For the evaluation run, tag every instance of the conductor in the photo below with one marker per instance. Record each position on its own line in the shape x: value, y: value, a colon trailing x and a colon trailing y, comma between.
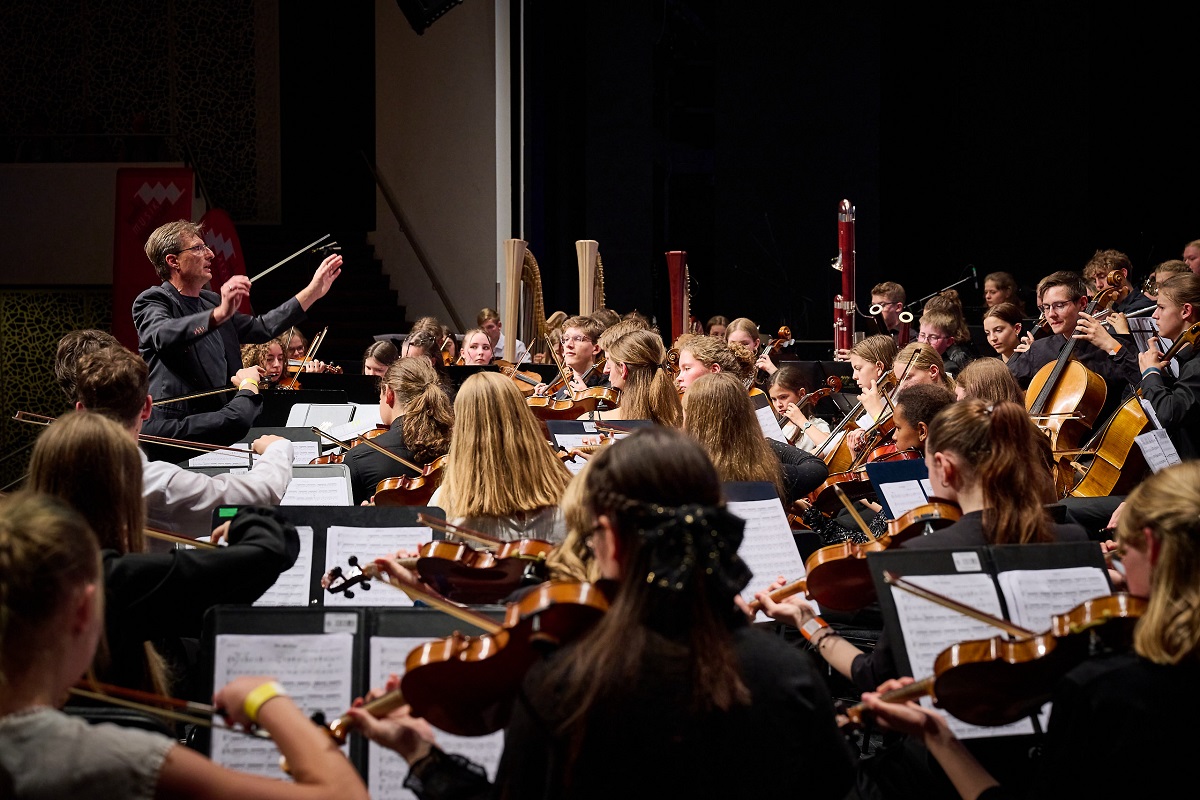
x: 190, y: 336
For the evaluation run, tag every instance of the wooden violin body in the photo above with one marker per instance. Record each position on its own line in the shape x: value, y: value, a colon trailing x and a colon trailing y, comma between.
x: 924, y: 519
x: 577, y: 405
x: 338, y: 458
x: 837, y: 575
x: 411, y: 490
x: 525, y: 380
x: 465, y: 685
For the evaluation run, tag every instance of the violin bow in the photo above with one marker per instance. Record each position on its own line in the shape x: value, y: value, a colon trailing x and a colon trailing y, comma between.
x: 445, y: 526
x: 301, y: 251
x: 461, y: 613
x: 167, y: 536
x: 385, y: 451
x: 562, y: 371
x: 193, y: 396
x: 308, y: 356
x: 893, y: 579
x: 203, y: 447
x: 185, y: 711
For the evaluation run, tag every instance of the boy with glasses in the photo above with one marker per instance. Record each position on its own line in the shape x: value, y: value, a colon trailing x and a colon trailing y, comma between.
x: 580, y: 351
x: 1062, y: 297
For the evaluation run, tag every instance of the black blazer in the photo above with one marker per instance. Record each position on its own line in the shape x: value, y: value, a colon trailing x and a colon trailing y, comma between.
x: 167, y: 333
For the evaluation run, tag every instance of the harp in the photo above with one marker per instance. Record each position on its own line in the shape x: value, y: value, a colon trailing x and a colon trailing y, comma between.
x: 682, y: 320
x: 523, y: 295
x: 591, y: 275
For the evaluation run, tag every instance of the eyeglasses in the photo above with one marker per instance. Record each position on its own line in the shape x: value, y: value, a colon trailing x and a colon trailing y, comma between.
x: 196, y: 247
x: 888, y: 305
x: 932, y: 337
x: 1056, y: 307
x: 580, y: 339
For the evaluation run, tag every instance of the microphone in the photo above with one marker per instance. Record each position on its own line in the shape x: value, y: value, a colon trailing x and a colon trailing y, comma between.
x: 975, y: 275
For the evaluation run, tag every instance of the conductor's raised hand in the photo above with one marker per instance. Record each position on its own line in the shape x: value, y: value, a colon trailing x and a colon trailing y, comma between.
x: 321, y: 282
x: 233, y: 292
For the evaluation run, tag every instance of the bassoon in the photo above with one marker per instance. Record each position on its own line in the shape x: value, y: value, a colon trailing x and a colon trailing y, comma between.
x: 843, y: 304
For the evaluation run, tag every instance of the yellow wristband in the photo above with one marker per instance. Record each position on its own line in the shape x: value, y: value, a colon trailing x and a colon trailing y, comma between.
x: 244, y: 384
x: 259, y: 696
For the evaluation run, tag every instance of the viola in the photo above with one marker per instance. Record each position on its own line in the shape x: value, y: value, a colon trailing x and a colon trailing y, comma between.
x: 837, y: 574
x: 998, y: 681
x: 578, y: 404
x: 924, y: 519
x: 338, y: 458
x: 783, y: 338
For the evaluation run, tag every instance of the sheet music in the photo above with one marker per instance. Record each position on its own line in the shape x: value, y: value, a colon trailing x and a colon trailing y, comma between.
x: 768, y: 546
x: 302, y: 453
x: 1035, y: 595
x: 291, y: 587
x: 223, y: 458
x: 386, y: 770
x: 769, y: 423
x: 315, y: 669
x: 903, y: 496
x: 366, y: 544
x: 1158, y: 449
x: 322, y: 415
x: 317, y: 492
x: 928, y: 629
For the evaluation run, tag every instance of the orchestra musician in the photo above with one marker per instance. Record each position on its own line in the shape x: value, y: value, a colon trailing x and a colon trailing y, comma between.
x: 52, y: 618
x: 988, y: 379
x: 1175, y: 399
x: 488, y: 321
x: 1001, y: 287
x: 501, y: 477
x: 636, y: 365
x: 296, y: 348
x: 580, y: 349
x: 114, y: 382
x: 378, y: 356
x: 672, y: 670
x: 1063, y: 298
x: 89, y: 462
x: 699, y: 354
x: 716, y: 326
x: 419, y: 416
x: 1002, y: 325
x: 223, y: 427
x: 1096, y: 271
x: 476, y: 348
x: 787, y: 392
x: 268, y: 357
x: 1109, y: 702
x: 191, y: 337
x: 943, y: 328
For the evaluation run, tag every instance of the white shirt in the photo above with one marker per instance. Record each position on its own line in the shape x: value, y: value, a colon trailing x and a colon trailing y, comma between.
x: 182, y: 501
x: 805, y: 443
x: 522, y: 354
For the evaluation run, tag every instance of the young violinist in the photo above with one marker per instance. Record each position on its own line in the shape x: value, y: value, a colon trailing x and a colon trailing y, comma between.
x: 1002, y: 325
x: 1123, y: 703
x: 699, y: 354
x: 1001, y: 287
x: 52, y: 617
x: 787, y: 393
x: 295, y: 347
x: 944, y: 329
x: 114, y: 382
x: 501, y: 477
x: 745, y: 332
x: 1176, y: 400
x: 636, y: 365
x: 917, y: 363
x: 422, y: 343
x: 378, y: 357
x: 476, y: 348
x: 719, y: 414
x: 716, y: 326
x: 580, y: 350
x: 979, y: 456
x: 415, y: 407
x: 90, y: 463
x: 672, y: 671
x: 268, y: 357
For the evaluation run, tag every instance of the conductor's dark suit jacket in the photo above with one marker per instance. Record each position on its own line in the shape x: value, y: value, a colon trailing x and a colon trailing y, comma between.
x: 168, y: 333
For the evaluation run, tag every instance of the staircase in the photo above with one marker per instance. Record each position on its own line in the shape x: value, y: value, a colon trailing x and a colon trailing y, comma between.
x: 358, y: 307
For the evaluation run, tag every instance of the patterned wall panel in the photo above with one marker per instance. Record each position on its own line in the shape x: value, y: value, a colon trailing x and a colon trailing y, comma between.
x: 31, y: 323
x: 87, y: 74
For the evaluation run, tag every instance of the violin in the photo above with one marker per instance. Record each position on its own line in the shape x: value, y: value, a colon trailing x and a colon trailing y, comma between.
x: 338, y: 458
x: 783, y: 338
x: 447, y: 358
x: 833, y: 385
x: 837, y: 574
x: 410, y: 490
x: 465, y: 685
x: 565, y: 377
x: 578, y: 404
x: 526, y: 381
x: 998, y: 681
x: 924, y: 519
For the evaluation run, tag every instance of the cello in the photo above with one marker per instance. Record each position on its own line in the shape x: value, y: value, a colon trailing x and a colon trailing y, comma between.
x: 1065, y: 397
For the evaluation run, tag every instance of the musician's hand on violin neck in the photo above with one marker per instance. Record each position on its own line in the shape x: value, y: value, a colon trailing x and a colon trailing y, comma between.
x: 541, y: 390
x: 908, y: 717
x: 411, y: 737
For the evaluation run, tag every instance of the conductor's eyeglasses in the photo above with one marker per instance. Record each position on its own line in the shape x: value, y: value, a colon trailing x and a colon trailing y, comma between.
x: 197, y: 247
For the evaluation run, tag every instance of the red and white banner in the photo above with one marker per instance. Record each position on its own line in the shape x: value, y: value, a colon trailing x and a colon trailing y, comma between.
x: 146, y: 198
x: 221, y: 235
